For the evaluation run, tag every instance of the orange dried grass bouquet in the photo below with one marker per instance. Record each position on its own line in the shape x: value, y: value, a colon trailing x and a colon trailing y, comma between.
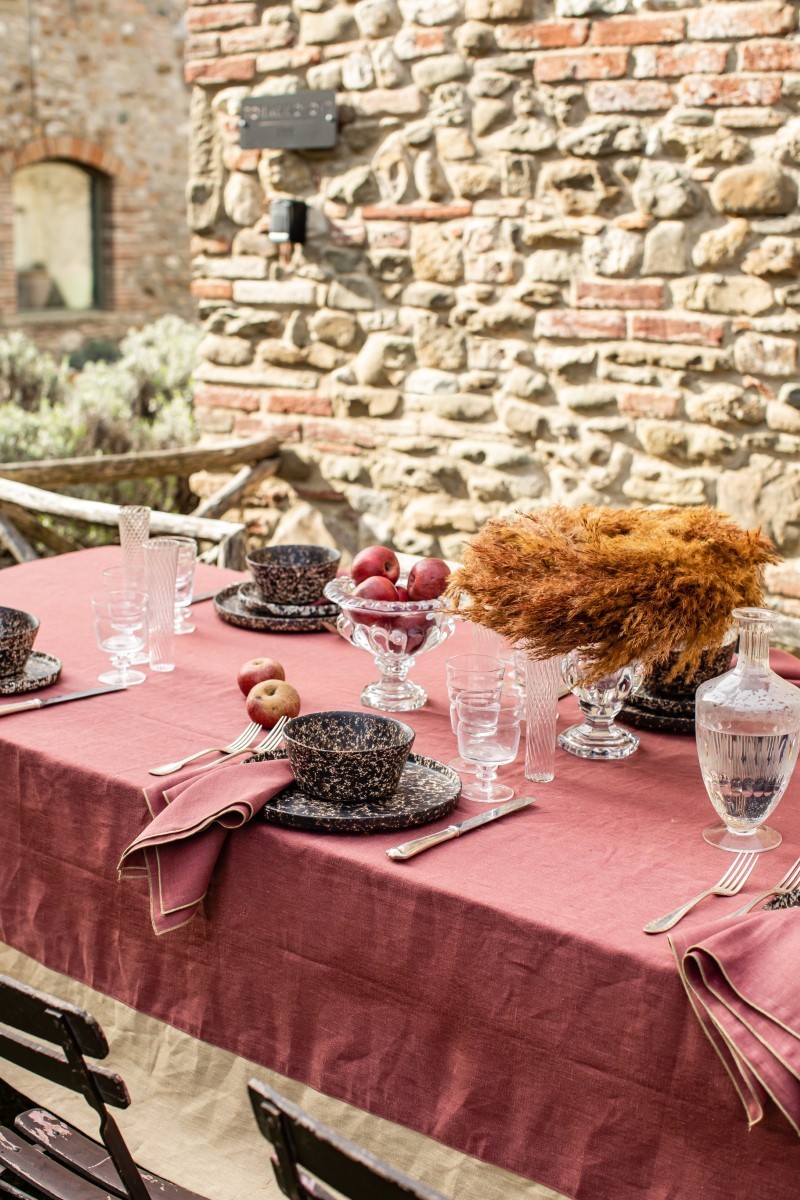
x: 618, y: 584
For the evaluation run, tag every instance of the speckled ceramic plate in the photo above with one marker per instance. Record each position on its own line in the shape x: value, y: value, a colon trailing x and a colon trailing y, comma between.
x: 230, y: 608
x: 663, y: 705
x: 40, y: 671
x: 252, y: 600
x: 640, y: 718
x: 428, y: 790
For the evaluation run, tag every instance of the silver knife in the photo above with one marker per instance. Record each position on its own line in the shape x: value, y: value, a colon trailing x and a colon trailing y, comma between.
x: 204, y: 596
x: 22, y: 705
x: 409, y: 849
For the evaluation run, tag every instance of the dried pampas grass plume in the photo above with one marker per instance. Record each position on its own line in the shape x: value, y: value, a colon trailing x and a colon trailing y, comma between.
x: 619, y: 584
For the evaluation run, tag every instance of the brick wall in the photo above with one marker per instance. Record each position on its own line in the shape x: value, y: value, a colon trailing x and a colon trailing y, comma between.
x: 102, y: 88
x: 553, y: 257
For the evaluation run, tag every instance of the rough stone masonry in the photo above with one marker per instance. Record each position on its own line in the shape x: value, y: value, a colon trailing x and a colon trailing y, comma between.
x: 553, y: 257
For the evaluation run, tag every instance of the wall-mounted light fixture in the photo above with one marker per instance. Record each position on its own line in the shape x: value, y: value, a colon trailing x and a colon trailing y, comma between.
x: 287, y: 221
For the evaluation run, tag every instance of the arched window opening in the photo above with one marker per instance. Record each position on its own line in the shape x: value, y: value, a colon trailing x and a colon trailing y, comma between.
x: 56, y: 236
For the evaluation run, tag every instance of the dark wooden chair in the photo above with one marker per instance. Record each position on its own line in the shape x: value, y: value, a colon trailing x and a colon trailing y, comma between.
x: 309, y: 1155
x: 43, y: 1156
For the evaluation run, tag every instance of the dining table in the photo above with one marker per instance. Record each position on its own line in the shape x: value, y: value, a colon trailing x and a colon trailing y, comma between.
x: 496, y: 994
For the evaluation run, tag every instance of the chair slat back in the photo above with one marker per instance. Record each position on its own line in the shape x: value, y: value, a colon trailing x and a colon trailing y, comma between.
x: 302, y: 1142
x: 35, y: 1012
x: 53, y: 1065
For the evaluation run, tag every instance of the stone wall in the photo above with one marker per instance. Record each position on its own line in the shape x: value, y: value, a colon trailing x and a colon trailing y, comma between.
x: 101, y: 85
x: 553, y: 257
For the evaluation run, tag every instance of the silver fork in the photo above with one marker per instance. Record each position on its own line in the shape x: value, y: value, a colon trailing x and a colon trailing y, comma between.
x: 270, y: 742
x: 789, y: 882
x: 731, y: 882
x: 239, y: 743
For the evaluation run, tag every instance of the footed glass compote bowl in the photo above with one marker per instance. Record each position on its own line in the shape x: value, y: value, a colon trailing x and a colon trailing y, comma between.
x: 597, y: 736
x: 395, y: 632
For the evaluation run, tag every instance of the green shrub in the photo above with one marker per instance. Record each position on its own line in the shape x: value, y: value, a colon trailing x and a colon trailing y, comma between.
x: 28, y: 378
x: 140, y: 402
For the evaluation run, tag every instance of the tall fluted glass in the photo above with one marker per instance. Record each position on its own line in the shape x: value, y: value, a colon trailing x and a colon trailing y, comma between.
x: 161, y: 570
x: 542, y: 679
x: 134, y: 530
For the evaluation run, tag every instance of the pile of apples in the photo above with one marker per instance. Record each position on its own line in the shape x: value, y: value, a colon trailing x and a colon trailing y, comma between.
x: 269, y: 696
x: 375, y: 571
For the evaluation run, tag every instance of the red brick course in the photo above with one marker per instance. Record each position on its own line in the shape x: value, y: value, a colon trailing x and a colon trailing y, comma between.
x: 649, y: 402
x: 567, y: 323
x: 212, y: 289
x: 665, y: 62
x: 542, y: 35
x: 691, y: 331
x: 627, y: 95
x: 221, y: 16
x: 310, y: 403
x: 622, y: 293
x: 221, y: 70
x: 716, y: 91
x: 581, y: 64
x: 770, y: 56
x: 208, y: 395
x: 637, y: 31
x: 416, y: 212
x: 740, y: 21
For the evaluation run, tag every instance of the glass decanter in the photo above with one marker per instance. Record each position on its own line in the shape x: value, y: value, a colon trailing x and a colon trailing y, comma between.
x: 748, y: 736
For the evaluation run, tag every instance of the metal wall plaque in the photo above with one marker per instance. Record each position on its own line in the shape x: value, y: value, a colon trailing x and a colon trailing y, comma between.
x: 303, y: 121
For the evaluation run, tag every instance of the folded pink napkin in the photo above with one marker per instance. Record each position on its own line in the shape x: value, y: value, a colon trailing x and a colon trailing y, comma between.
x: 741, y: 979
x: 178, y: 850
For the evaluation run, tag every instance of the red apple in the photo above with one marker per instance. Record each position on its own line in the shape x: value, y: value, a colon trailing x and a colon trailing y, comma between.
x: 402, y: 593
x: 377, y: 587
x: 414, y: 626
x: 267, y: 702
x: 428, y: 579
x: 375, y: 560
x: 258, y: 670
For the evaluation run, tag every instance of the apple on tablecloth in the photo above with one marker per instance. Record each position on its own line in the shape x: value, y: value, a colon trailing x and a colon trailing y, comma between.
x: 271, y: 700
x: 258, y: 670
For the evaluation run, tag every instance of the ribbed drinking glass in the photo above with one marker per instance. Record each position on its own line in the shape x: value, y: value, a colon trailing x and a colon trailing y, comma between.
x: 542, y: 678
x: 184, y: 585
x: 161, y: 571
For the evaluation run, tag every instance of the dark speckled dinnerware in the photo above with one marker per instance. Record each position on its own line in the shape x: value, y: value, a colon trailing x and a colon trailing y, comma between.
x: 18, y: 631
x: 347, y: 757
x: 292, y: 574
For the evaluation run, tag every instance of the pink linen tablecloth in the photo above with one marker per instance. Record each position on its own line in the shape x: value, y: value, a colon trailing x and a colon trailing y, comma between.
x: 496, y: 993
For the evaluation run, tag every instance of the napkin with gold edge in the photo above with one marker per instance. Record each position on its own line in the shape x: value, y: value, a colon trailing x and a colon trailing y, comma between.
x: 741, y: 979
x: 178, y: 850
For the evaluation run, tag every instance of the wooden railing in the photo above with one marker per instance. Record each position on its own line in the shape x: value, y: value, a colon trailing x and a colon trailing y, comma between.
x: 24, y: 498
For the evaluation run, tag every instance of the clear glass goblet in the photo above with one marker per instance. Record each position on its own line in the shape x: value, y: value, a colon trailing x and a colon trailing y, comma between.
x: 488, y: 736
x: 128, y: 578
x: 120, y: 626
x: 597, y: 736
x: 478, y: 675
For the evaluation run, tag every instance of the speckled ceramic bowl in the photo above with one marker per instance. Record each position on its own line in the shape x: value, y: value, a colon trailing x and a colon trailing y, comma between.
x: 347, y: 757
x: 18, y: 631
x: 292, y: 574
